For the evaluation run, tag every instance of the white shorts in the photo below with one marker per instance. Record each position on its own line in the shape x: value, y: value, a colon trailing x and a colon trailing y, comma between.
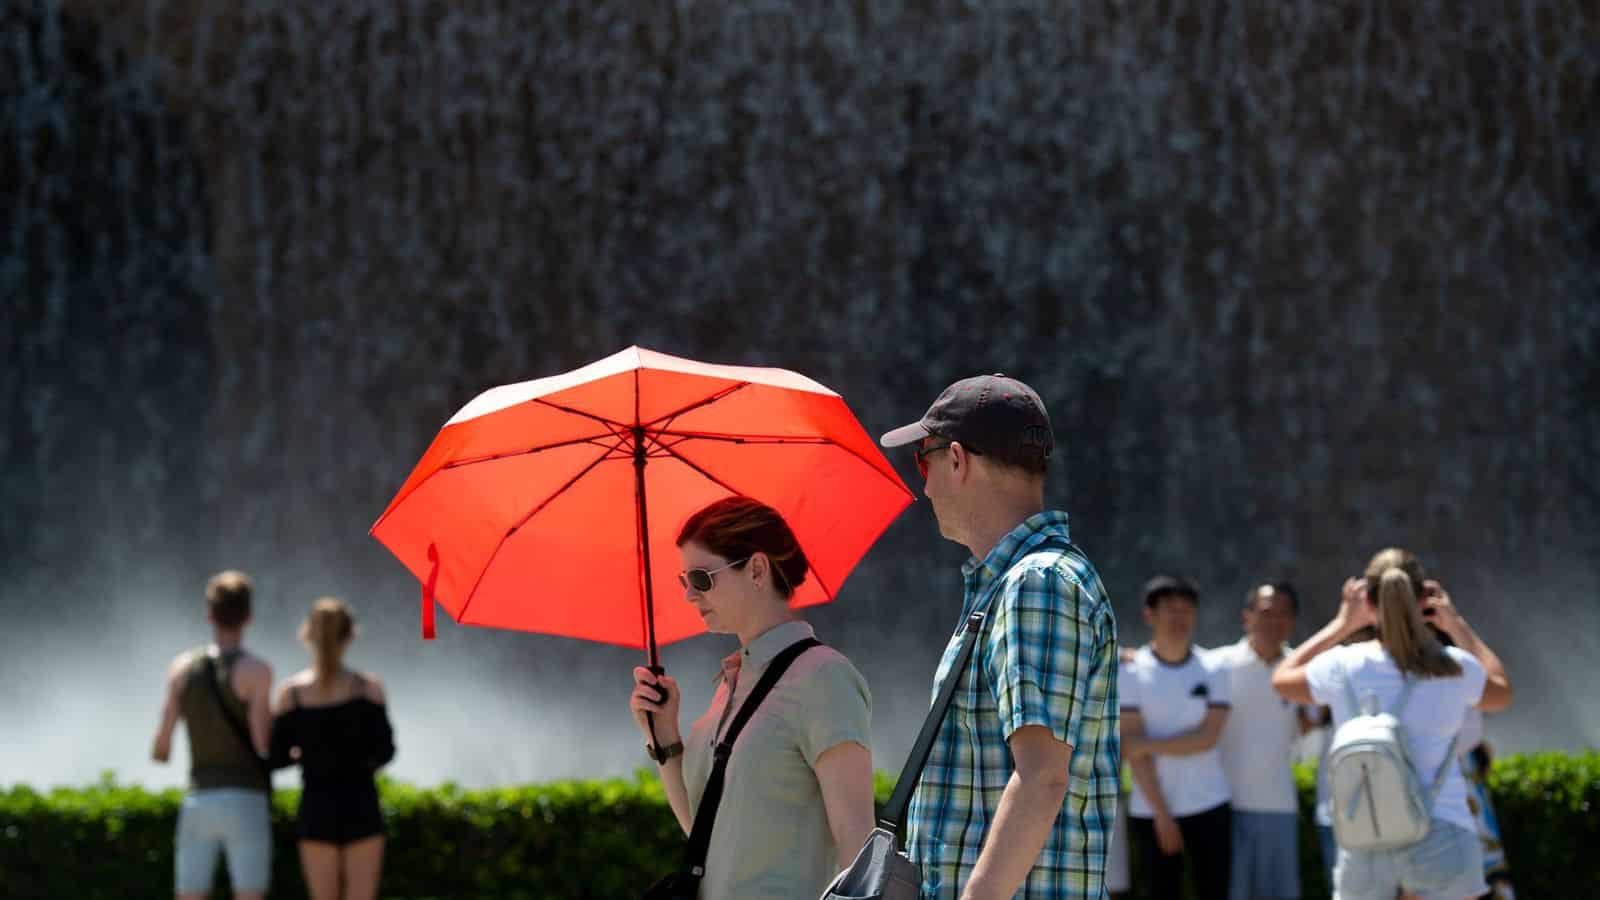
x: 1445, y: 865
x: 237, y: 822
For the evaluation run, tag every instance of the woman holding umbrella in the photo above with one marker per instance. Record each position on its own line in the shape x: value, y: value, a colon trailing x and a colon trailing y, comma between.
x: 797, y: 798
x: 515, y: 518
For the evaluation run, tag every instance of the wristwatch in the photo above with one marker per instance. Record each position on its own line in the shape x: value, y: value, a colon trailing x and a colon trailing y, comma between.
x: 662, y: 754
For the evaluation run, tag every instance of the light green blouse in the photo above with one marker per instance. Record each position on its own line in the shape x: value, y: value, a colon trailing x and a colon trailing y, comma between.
x: 772, y: 838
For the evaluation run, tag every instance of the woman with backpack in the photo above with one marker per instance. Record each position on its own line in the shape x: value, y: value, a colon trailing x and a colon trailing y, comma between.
x: 1399, y: 804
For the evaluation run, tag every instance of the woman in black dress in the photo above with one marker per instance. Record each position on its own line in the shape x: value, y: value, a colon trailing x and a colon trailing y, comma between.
x: 333, y: 723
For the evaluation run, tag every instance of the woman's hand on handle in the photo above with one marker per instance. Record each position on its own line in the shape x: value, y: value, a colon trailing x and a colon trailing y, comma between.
x: 643, y: 700
x: 647, y: 688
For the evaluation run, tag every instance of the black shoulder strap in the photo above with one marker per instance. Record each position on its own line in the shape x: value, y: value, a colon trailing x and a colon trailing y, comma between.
x: 894, y: 812
x: 705, y: 815
x: 213, y: 679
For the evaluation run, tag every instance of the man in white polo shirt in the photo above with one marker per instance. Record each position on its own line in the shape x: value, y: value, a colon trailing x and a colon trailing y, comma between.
x: 1174, y: 707
x: 1257, y: 750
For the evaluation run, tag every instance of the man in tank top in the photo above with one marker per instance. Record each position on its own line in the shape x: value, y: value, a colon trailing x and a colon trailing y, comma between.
x: 222, y: 694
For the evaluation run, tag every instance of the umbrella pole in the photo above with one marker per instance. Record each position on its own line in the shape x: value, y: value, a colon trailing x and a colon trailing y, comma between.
x: 641, y: 511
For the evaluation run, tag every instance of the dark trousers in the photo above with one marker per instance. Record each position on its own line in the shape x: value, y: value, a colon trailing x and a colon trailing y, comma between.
x: 1207, y: 845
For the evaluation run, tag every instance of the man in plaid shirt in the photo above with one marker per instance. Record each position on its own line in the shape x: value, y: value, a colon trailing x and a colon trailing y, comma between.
x: 1020, y: 791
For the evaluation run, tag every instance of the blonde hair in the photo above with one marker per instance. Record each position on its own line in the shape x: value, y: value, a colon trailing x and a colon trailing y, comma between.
x: 327, y: 630
x: 1395, y: 578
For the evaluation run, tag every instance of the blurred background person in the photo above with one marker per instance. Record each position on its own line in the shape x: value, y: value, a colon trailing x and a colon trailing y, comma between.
x: 1439, y: 684
x: 1119, y: 876
x: 1257, y: 749
x: 221, y: 692
x: 1476, y: 759
x: 1174, y: 707
x: 334, y: 723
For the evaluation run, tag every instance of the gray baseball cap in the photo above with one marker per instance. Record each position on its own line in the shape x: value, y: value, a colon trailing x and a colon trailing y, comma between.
x: 987, y: 413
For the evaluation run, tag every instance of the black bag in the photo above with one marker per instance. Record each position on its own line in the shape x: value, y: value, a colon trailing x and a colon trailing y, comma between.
x: 881, y: 870
x: 684, y: 884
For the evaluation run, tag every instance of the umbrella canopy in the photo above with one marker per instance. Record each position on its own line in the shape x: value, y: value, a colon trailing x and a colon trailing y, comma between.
x: 553, y: 505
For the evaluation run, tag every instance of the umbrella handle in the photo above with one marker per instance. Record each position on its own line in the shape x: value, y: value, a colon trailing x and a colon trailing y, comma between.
x: 661, y: 694
x: 661, y: 697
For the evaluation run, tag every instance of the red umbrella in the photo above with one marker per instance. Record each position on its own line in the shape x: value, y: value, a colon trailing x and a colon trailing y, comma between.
x: 540, y: 505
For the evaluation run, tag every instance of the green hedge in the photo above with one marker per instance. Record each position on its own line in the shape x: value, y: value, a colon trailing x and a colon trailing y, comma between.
x: 590, y: 840
x: 607, y: 839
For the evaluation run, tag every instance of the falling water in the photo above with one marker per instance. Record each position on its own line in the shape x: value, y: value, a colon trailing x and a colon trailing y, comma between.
x: 1298, y: 280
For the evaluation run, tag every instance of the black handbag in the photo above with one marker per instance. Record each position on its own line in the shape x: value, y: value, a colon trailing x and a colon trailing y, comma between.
x: 881, y: 870
x: 684, y: 883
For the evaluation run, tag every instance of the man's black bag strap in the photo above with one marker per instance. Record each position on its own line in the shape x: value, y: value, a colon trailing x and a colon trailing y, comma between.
x: 239, y: 728
x: 894, y: 813
x: 705, y: 815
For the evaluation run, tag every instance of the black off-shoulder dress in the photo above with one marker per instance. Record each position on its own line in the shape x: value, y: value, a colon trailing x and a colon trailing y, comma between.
x: 341, y: 746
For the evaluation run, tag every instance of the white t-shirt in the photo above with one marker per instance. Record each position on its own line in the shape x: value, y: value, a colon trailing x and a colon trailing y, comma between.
x: 1431, y: 718
x: 1258, y: 742
x: 1324, y: 812
x: 1173, y: 699
x: 1471, y: 732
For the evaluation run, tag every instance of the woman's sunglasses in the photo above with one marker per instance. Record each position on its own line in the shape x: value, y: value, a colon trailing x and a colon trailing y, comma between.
x: 701, y: 580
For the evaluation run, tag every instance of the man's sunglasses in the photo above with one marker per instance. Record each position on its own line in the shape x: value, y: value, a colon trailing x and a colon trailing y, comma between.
x: 701, y: 580
x: 921, y: 455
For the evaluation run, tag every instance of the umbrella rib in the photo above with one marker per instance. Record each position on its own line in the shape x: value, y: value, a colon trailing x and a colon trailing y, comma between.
x: 588, y: 439
x: 656, y: 448
x: 395, y: 504
x: 668, y: 417
x: 826, y: 591
x: 578, y: 412
x: 732, y: 490
x: 472, y: 595
x: 771, y: 440
x: 614, y: 451
x: 742, y: 438
x: 707, y: 475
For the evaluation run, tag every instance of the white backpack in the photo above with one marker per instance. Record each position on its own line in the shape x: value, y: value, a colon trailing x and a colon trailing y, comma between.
x: 1375, y: 796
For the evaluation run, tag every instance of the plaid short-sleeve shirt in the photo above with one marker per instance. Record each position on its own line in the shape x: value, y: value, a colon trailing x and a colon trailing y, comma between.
x: 1048, y: 656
